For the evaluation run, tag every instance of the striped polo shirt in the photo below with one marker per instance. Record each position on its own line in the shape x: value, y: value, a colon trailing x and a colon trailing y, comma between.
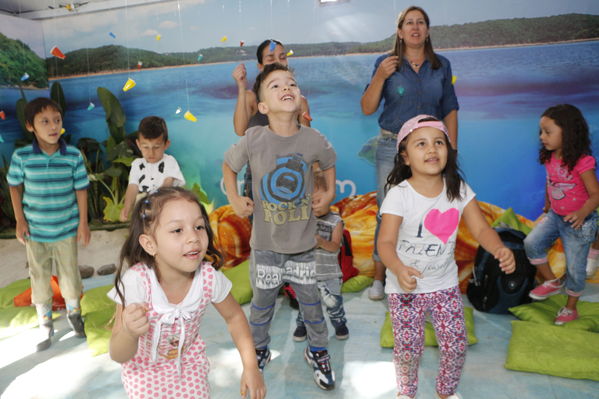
x: 49, y: 184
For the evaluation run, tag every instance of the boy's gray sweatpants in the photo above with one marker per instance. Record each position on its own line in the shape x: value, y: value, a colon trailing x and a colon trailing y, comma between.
x: 268, y: 271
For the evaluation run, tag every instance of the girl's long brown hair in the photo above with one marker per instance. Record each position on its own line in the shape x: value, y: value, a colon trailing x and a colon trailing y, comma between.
x: 451, y: 172
x: 398, y: 47
x: 575, y: 134
x: 143, y: 221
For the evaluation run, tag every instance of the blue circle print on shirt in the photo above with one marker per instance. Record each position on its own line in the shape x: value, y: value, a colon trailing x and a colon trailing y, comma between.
x: 286, y: 182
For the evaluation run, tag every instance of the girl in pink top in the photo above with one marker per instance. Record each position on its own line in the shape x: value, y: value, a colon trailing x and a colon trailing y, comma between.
x: 162, y: 297
x: 572, y: 195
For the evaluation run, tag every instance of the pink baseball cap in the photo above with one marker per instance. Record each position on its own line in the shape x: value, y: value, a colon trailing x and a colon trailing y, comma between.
x: 415, y: 123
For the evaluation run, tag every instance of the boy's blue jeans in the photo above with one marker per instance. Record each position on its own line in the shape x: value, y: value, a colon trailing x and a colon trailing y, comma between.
x: 330, y: 293
x: 576, y: 243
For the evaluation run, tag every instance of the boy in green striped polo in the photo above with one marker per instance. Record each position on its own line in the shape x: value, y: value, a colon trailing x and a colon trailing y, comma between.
x: 48, y: 189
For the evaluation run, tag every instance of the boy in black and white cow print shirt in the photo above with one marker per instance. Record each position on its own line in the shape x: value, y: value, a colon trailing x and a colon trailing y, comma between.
x: 156, y: 169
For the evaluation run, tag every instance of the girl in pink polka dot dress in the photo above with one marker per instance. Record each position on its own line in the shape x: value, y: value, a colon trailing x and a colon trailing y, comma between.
x: 162, y: 297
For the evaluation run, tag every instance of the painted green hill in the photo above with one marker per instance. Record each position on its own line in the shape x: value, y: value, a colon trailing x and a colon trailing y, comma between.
x: 516, y: 31
x: 16, y: 59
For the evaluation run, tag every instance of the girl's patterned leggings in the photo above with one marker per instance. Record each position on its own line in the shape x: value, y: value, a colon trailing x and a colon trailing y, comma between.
x: 408, y: 315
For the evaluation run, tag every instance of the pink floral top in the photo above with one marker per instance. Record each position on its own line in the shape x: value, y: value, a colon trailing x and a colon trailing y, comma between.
x: 566, y: 190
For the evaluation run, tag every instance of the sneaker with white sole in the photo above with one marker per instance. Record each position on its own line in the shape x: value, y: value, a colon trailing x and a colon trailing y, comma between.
x: 300, y: 334
x: 324, y: 376
x: 565, y: 315
x: 263, y: 358
x: 545, y: 290
x: 342, y: 332
x: 376, y: 292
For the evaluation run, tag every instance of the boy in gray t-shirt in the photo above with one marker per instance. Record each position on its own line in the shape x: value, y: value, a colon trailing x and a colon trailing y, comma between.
x: 281, y: 156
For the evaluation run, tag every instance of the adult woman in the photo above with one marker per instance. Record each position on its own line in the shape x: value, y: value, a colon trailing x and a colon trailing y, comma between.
x: 412, y: 79
x: 246, y: 109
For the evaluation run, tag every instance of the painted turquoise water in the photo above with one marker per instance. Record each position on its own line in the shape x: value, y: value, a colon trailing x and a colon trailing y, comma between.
x: 502, y: 93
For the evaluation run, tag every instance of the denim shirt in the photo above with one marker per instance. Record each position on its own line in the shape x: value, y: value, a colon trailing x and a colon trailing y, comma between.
x: 407, y: 93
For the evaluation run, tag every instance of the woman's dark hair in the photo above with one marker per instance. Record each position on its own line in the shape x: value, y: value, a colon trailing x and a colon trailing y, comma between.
x: 268, y: 69
x: 451, y: 172
x: 398, y: 47
x: 575, y: 134
x: 143, y: 221
x: 261, y: 47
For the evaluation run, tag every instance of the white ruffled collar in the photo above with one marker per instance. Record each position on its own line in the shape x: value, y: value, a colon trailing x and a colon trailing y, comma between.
x: 169, y: 313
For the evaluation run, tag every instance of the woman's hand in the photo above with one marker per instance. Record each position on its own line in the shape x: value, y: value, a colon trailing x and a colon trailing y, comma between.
x: 240, y: 76
x: 387, y: 67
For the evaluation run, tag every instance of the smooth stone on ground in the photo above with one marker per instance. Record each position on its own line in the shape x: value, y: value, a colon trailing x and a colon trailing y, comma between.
x: 106, y: 269
x: 104, y: 248
x: 86, y: 271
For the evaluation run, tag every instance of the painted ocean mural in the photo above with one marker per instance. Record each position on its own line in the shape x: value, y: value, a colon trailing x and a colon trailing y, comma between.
x: 502, y: 92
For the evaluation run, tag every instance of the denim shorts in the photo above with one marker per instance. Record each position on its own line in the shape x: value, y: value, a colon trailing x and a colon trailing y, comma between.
x: 576, y: 243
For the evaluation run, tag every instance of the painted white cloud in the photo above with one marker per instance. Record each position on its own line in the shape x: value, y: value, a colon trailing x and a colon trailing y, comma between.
x: 168, y: 24
x: 150, y: 32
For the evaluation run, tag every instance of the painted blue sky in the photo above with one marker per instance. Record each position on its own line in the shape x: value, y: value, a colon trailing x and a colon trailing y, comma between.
x: 29, y: 32
x: 189, y: 25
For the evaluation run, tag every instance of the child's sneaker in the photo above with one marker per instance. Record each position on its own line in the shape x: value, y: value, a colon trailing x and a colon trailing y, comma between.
x: 592, y: 265
x: 376, y: 292
x: 565, y: 315
x: 300, y: 333
x: 545, y: 290
x: 76, y: 323
x: 320, y: 361
x: 46, y: 331
x: 342, y: 332
x: 263, y: 357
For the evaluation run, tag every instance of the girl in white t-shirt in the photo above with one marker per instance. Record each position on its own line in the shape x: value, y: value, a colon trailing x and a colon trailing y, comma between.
x: 162, y: 296
x: 420, y: 216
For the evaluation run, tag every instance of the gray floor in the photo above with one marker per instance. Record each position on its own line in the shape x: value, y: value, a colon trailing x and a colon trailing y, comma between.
x: 364, y: 369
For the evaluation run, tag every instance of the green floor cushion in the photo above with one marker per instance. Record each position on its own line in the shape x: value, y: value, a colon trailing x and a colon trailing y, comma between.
x: 357, y: 284
x: 13, y: 289
x: 429, y: 332
x: 240, y: 277
x: 544, y: 312
x: 553, y: 350
x: 98, y: 311
x: 13, y: 320
x: 511, y: 220
x: 98, y: 329
x: 96, y: 299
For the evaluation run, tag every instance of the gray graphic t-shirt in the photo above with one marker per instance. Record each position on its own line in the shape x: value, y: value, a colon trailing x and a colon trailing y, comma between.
x: 282, y: 185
